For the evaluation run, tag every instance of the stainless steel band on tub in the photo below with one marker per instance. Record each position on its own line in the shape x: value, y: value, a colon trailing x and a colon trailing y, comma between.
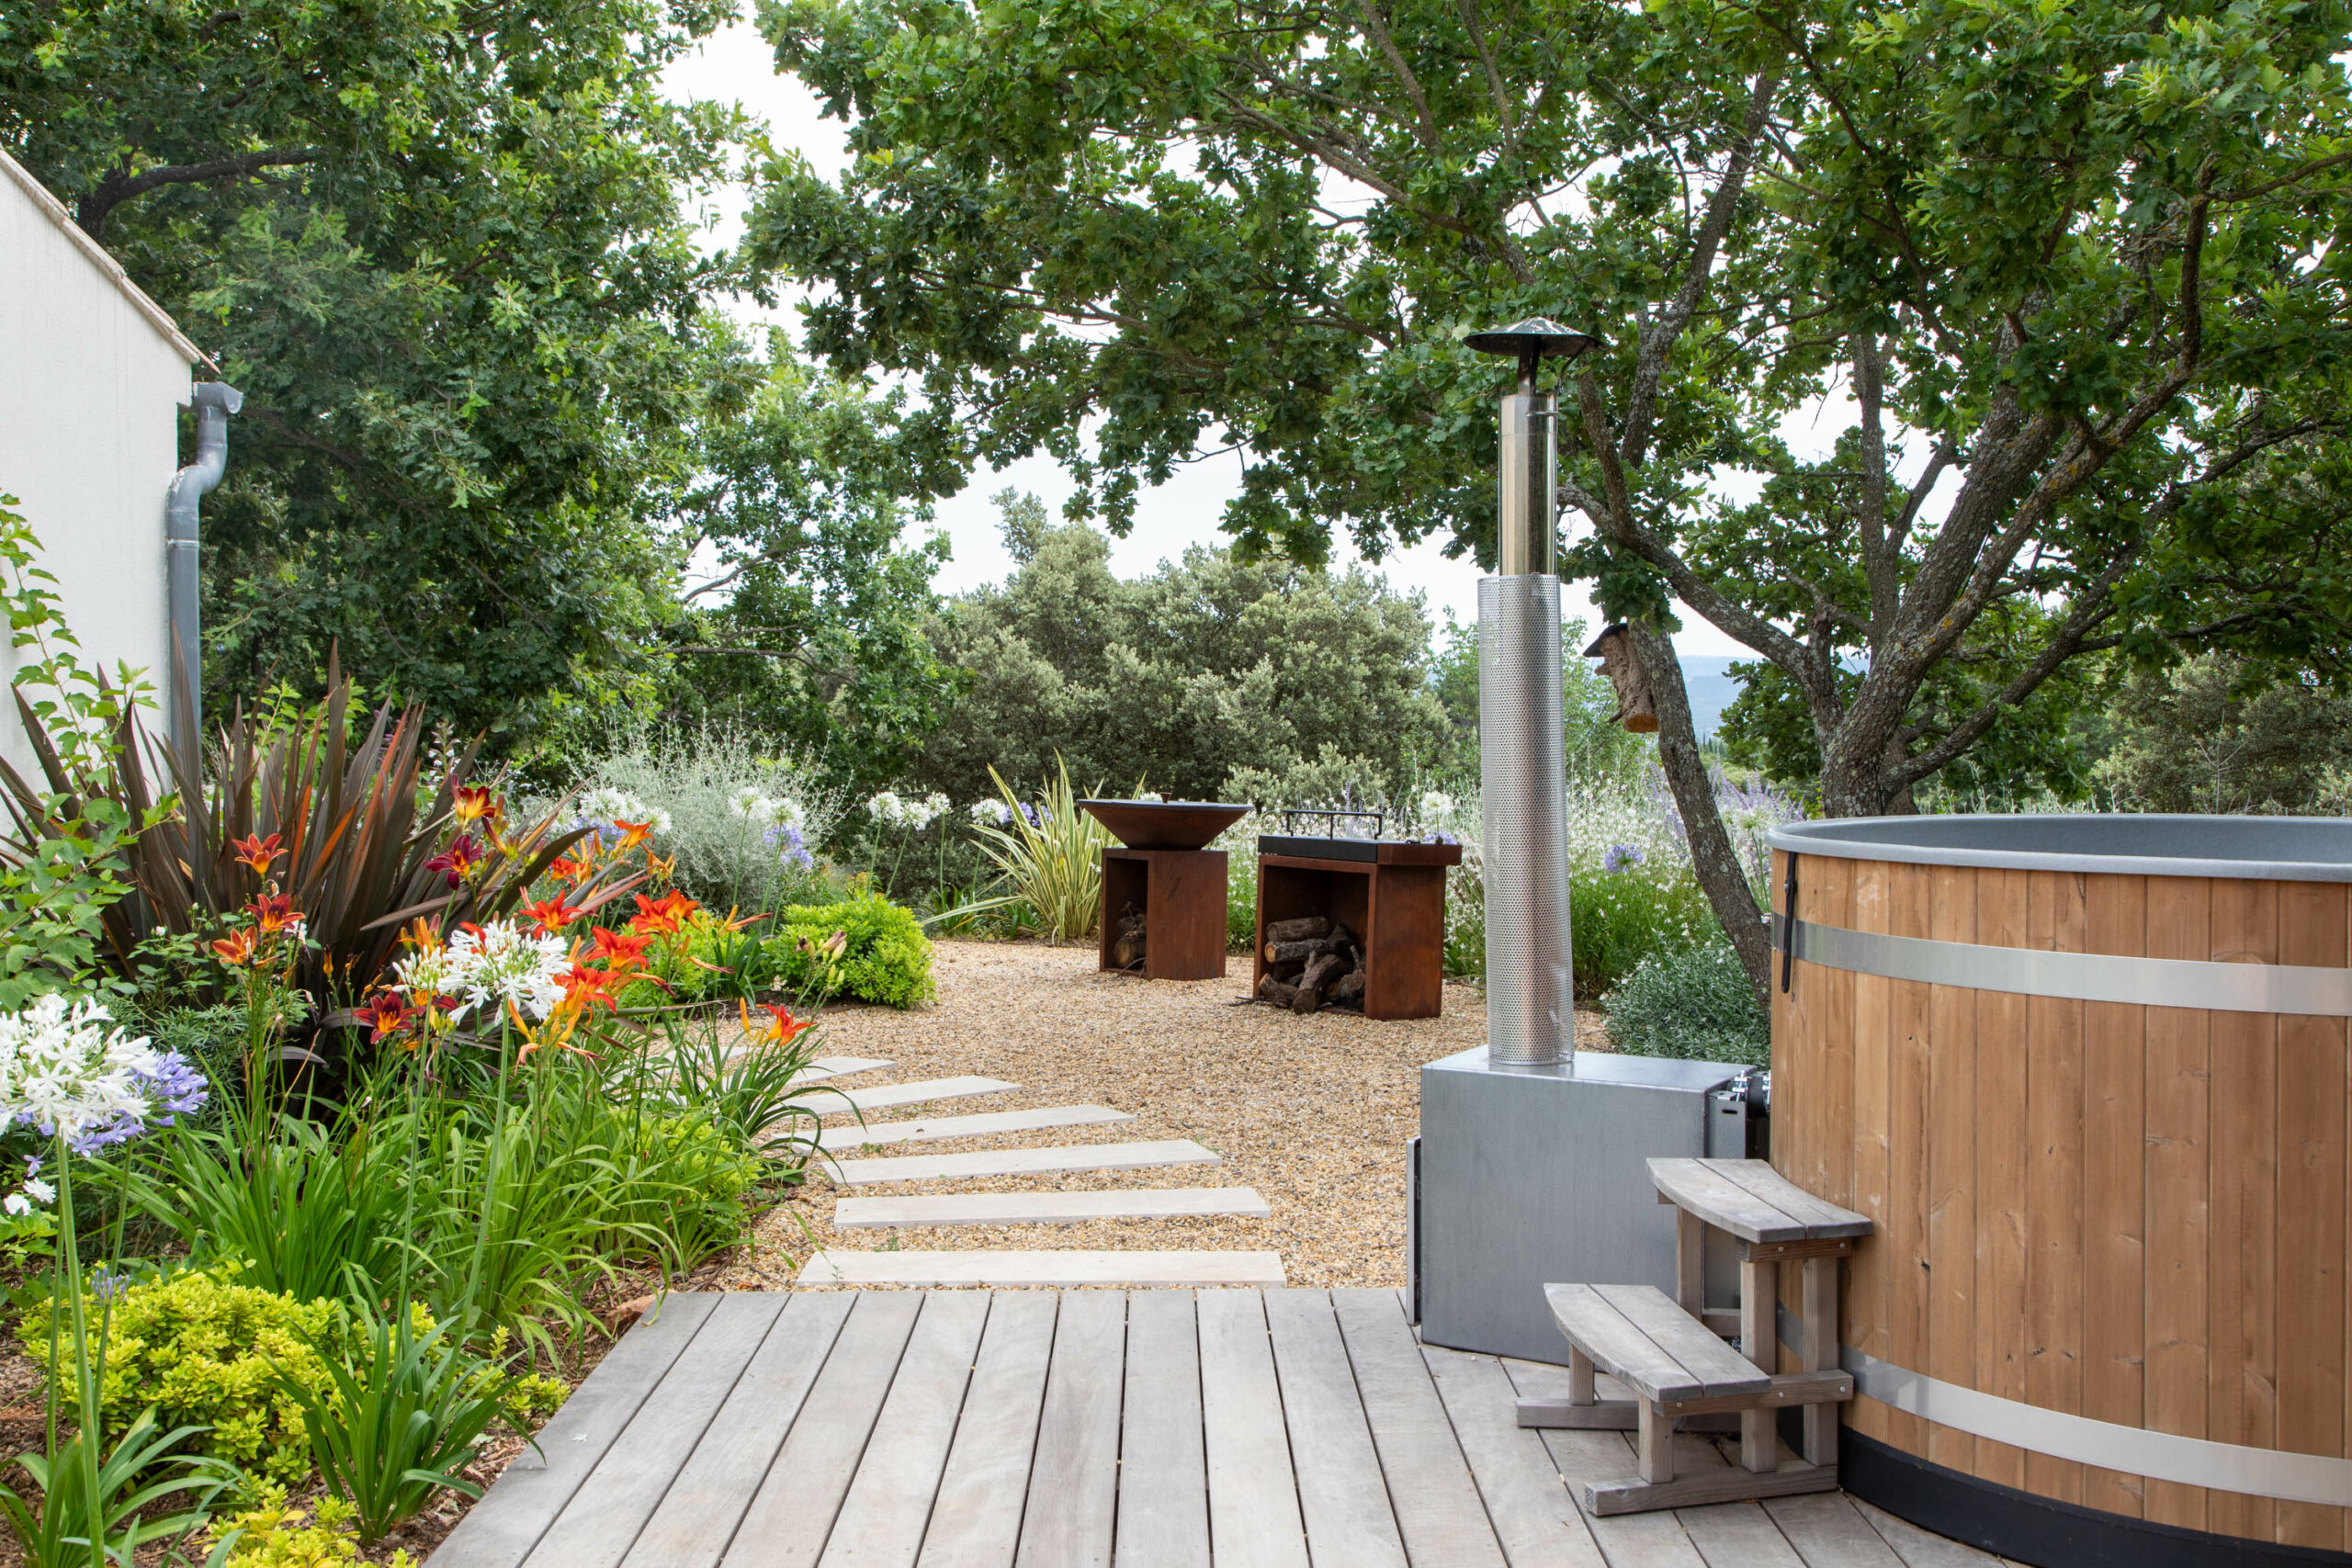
x: 2073, y: 976
x: 2135, y: 1450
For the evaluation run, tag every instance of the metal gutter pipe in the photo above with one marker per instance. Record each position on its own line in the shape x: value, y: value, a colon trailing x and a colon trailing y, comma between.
x: 215, y: 401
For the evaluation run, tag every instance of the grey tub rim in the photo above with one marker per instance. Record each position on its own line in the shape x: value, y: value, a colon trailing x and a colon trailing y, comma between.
x: 2267, y: 849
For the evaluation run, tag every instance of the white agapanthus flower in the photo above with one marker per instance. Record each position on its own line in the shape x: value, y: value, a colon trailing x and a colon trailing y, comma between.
x: 604, y: 806
x: 766, y: 810
x: 990, y: 813
x: 68, y: 1070
x: 1153, y: 795
x: 41, y: 1191
x: 749, y: 804
x: 500, y: 963
x: 886, y: 809
x: 1436, y: 805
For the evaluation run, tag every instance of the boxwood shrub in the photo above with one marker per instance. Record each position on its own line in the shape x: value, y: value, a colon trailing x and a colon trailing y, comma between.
x: 887, y: 959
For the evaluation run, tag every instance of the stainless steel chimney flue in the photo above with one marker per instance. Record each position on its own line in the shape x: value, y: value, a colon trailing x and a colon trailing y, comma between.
x: 1530, y: 999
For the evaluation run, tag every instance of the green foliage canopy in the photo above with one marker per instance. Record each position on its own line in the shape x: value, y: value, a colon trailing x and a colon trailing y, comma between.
x: 445, y: 251
x: 1178, y: 678
x: 2074, y: 264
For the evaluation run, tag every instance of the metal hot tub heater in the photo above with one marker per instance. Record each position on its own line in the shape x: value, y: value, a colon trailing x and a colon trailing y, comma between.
x: 1530, y: 1165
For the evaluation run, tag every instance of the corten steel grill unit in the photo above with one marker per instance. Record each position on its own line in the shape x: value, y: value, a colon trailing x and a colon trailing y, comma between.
x: 1389, y: 892
x: 1179, y: 887
x: 2088, y: 1077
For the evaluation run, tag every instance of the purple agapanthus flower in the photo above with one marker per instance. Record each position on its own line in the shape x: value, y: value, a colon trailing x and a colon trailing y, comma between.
x: 795, y: 851
x: 107, y: 1283
x: 1621, y: 857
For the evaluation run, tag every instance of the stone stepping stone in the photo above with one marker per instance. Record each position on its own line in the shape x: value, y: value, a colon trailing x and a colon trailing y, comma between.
x: 1047, y: 1208
x: 1019, y: 1162
x: 1140, y: 1270
x: 835, y: 1067
x: 877, y: 1097
x: 931, y: 1128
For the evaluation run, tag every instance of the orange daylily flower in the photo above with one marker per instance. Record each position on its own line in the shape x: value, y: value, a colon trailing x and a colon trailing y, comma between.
x: 551, y: 915
x: 472, y: 802
x: 553, y: 1033
x: 781, y: 1029
x: 619, y: 952
x: 661, y: 915
x: 660, y: 868
x: 258, y: 852
x: 235, y: 950
x: 563, y: 868
x: 632, y: 834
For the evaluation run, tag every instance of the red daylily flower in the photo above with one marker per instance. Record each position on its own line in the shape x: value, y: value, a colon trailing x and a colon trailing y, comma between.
x: 455, y: 861
x: 387, y: 1015
x: 274, y: 913
x: 617, y: 950
x: 472, y: 802
x: 563, y: 868
x: 236, y: 948
x: 258, y: 852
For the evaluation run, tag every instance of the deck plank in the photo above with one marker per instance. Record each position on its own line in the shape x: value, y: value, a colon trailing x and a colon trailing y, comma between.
x: 1342, y: 1495
x: 1829, y: 1533
x: 1439, y: 1513
x: 1074, y: 1479
x: 976, y: 1518
x: 979, y: 1125
x: 598, y: 1525
x: 1918, y: 1548
x: 793, y: 1511
x: 1627, y: 1541
x: 1163, y: 1465
x: 1070, y: 1266
x: 1253, y: 1494
x: 1021, y: 1162
x: 500, y: 1531
x: 882, y: 1519
x: 697, y: 1516
x: 1528, y: 1503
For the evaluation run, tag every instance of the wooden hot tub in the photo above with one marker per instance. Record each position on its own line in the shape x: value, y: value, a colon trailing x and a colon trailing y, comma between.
x: 2088, y: 1074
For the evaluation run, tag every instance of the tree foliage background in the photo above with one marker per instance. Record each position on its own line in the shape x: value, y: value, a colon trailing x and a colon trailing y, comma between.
x: 2066, y: 273
x: 449, y: 253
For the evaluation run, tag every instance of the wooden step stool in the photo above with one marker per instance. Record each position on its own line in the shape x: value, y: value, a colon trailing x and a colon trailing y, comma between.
x: 1669, y: 1353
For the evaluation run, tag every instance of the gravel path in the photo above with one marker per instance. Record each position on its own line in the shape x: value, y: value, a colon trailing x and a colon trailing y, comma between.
x: 1312, y: 1111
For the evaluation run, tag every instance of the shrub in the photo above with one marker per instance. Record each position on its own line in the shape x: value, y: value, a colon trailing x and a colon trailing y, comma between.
x: 740, y: 824
x: 1616, y: 918
x: 207, y: 1351
x: 275, y: 1534
x: 1051, y: 855
x: 887, y: 959
x: 1693, y: 1002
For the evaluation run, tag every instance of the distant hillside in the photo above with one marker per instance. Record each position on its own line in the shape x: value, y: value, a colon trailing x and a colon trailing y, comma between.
x: 1713, y: 687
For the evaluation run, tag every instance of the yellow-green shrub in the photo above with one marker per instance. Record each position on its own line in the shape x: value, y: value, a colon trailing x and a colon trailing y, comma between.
x: 275, y: 1534
x: 206, y: 1351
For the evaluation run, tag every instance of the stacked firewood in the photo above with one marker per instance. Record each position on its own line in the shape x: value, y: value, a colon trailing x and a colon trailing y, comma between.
x: 1126, y: 943
x: 1312, y: 962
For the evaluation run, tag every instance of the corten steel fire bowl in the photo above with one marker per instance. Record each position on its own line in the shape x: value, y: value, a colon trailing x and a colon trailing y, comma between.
x: 1165, y: 824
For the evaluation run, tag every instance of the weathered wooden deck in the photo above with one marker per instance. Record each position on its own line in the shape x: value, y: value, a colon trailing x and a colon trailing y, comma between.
x: 1131, y: 1429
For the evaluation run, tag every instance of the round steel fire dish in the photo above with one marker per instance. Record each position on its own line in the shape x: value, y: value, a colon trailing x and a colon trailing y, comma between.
x: 1165, y: 824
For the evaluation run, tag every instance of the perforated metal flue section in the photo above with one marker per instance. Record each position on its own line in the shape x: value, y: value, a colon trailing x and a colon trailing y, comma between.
x: 1531, y: 1000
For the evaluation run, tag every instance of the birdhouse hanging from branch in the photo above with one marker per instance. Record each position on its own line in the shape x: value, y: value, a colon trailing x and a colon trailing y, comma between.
x: 1615, y: 648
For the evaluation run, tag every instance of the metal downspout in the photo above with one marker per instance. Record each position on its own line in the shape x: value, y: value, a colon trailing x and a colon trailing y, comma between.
x: 215, y: 401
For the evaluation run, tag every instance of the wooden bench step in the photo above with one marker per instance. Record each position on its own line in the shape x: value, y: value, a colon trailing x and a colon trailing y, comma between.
x: 1636, y: 1333
x: 1752, y: 1200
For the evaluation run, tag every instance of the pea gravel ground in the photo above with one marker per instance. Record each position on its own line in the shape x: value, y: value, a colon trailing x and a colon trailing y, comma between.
x: 1313, y: 1111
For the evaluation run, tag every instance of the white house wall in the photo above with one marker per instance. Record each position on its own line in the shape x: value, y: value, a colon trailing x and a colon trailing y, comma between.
x: 90, y: 389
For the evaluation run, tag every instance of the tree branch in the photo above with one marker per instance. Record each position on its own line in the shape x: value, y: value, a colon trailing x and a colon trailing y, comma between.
x: 90, y: 213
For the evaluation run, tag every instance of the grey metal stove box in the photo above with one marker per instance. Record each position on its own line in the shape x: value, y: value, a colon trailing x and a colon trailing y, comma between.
x: 1524, y: 1175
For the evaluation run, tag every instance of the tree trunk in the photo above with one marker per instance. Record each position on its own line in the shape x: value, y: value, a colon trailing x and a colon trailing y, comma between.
x: 1713, y: 859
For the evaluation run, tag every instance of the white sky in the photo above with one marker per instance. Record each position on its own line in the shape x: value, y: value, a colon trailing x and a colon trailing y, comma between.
x: 735, y: 65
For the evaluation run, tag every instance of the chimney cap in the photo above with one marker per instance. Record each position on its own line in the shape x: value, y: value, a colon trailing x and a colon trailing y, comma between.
x: 1537, y: 337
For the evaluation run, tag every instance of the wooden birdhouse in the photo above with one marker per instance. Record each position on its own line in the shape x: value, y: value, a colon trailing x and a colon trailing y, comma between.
x: 1615, y: 648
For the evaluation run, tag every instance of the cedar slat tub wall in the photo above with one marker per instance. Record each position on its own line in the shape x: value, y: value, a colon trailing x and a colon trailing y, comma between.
x: 2088, y: 1076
